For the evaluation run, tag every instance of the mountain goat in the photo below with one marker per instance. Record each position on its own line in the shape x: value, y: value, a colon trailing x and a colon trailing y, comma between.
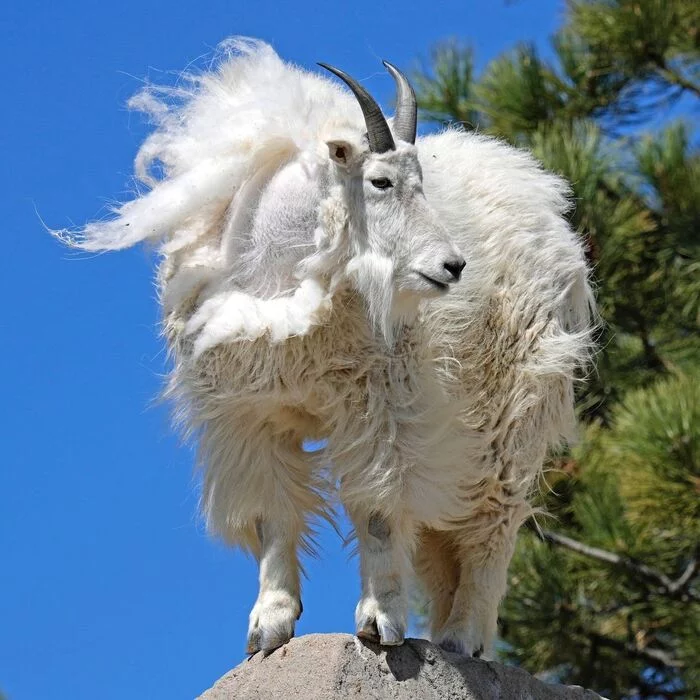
x: 419, y: 304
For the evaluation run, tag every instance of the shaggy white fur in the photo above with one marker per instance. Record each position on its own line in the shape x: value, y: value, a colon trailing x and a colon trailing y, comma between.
x: 301, y: 299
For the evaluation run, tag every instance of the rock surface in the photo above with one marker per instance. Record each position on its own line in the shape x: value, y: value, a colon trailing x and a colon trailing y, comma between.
x: 337, y: 666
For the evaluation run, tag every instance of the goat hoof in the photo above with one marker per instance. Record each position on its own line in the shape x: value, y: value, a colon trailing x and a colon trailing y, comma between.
x: 455, y: 644
x: 253, y: 644
x: 272, y: 622
x: 389, y: 635
x: 378, y: 627
x: 268, y: 640
x: 368, y: 631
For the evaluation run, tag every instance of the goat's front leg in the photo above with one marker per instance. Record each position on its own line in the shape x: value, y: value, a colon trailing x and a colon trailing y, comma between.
x: 384, y: 549
x: 278, y: 606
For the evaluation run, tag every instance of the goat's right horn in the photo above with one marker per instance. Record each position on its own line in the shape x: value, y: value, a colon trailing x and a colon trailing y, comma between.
x: 406, y: 117
x: 378, y: 132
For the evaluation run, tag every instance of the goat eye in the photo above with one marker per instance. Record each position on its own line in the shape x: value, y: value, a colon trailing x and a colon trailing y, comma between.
x: 382, y: 183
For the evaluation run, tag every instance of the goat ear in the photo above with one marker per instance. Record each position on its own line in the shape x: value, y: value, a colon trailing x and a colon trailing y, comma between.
x: 341, y: 152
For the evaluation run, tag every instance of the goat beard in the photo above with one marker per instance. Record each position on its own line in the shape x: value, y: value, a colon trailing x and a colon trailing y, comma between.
x: 372, y: 275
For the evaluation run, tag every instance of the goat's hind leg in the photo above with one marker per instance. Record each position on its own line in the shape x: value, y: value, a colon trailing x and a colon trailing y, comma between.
x: 437, y: 567
x: 470, y: 627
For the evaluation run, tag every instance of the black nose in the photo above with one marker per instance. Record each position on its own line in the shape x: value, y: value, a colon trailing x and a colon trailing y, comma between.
x: 455, y: 267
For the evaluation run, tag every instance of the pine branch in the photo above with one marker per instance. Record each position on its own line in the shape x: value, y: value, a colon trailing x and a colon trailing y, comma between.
x: 686, y: 577
x: 678, y: 589
x: 654, y: 657
x: 671, y: 76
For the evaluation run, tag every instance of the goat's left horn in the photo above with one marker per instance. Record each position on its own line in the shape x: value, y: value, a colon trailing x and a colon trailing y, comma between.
x: 378, y: 132
x: 406, y: 117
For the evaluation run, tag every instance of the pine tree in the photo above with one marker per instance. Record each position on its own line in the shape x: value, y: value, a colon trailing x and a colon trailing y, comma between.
x: 606, y: 591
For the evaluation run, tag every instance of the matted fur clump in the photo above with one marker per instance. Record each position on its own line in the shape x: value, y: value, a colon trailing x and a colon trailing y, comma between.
x: 422, y: 306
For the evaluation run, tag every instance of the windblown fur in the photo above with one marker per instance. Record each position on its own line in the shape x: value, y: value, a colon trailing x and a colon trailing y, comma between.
x: 284, y: 323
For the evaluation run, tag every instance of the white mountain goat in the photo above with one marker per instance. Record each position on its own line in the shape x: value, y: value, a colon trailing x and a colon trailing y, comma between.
x: 310, y: 283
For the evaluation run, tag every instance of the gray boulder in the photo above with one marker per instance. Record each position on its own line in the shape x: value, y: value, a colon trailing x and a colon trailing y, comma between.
x: 333, y: 666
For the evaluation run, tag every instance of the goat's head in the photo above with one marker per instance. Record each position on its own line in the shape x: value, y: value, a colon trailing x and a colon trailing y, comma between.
x: 401, y: 252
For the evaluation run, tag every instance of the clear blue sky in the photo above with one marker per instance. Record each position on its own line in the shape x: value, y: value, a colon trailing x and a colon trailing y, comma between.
x: 109, y: 586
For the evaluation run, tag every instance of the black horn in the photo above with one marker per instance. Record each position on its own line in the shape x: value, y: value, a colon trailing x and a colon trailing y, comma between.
x: 378, y: 132
x: 406, y: 108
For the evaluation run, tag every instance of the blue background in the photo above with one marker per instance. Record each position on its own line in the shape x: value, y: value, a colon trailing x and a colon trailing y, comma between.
x: 109, y: 586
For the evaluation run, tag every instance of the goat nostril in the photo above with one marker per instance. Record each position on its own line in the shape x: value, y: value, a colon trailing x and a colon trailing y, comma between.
x: 455, y: 267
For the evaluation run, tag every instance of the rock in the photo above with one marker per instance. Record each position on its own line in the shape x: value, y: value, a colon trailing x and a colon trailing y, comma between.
x: 337, y: 666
